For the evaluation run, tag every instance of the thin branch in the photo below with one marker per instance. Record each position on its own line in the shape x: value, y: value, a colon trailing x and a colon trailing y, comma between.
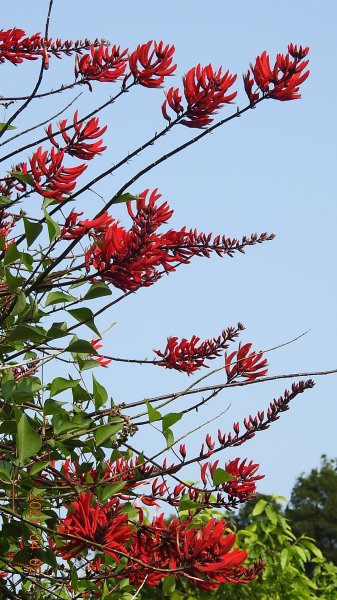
x: 39, y: 80
x: 43, y: 122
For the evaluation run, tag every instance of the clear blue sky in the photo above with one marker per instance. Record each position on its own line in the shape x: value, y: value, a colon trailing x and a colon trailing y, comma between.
x: 272, y: 170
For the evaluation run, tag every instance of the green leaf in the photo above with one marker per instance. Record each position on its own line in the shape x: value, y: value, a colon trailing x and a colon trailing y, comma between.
x: 109, y: 490
x: 12, y: 281
x: 11, y: 255
x: 171, y: 419
x: 105, y: 432
x: 39, y: 466
x: 125, y: 198
x: 57, y: 297
x: 32, y: 230
x: 169, y: 585
x: 27, y: 332
x: 57, y: 330
x: 5, y: 472
x: 60, y: 384
x: 20, y: 303
x: 53, y: 407
x: 300, y: 553
x: 100, y: 394
x: 312, y: 547
x: 221, y: 476
x: 86, y: 317
x: 53, y: 227
x: 97, y: 290
x: 27, y: 260
x: 271, y: 514
x: 4, y: 200
x: 24, y: 177
x: 81, y: 346
x: 9, y: 127
x: 169, y: 437
x: 284, y: 558
x: 28, y: 440
x: 129, y: 510
x: 154, y: 415
x: 259, y: 508
x: 187, y: 504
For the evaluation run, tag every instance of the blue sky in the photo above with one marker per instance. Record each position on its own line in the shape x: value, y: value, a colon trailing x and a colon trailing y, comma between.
x: 271, y: 170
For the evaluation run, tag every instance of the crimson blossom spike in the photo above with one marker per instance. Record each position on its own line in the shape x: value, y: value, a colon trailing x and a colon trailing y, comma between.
x: 102, y: 524
x: 79, y: 143
x: 104, y: 63
x: 58, y: 180
x: 204, y: 555
x: 205, y: 90
x: 244, y: 363
x: 283, y: 80
x: 150, y: 63
x: 189, y: 356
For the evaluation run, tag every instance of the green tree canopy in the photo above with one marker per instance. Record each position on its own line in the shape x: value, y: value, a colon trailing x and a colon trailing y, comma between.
x: 312, y: 509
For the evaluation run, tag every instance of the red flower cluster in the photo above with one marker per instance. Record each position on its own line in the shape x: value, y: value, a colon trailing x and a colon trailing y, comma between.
x: 243, y: 483
x: 104, y: 63
x: 189, y: 356
x: 131, y: 259
x: 78, y: 145
x: 150, y: 65
x: 15, y: 46
x: 285, y: 78
x: 58, y: 180
x: 73, y: 228
x: 205, y: 92
x: 244, y: 363
x: 203, y: 555
x: 104, y: 525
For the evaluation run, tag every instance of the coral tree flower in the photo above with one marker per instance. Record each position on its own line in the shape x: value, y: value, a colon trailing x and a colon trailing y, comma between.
x: 104, y: 362
x: 104, y: 63
x: 205, y: 92
x: 58, y: 180
x: 189, y: 356
x: 140, y: 256
x: 103, y: 525
x: 204, y: 555
x: 282, y: 82
x: 244, y: 363
x: 80, y: 144
x: 150, y: 63
x: 73, y: 228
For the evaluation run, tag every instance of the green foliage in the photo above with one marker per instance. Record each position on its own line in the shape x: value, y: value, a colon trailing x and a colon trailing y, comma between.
x: 313, y: 507
x: 269, y: 537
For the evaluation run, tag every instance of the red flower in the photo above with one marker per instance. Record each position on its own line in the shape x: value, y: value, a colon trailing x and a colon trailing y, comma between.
x: 104, y: 63
x: 78, y: 145
x: 58, y: 179
x: 203, y: 555
x: 205, y: 91
x: 189, y: 356
x: 103, y: 525
x: 150, y: 65
x: 15, y: 47
x: 104, y: 362
x: 298, y: 53
x: 242, y: 486
x: 285, y: 77
x: 73, y: 228
x: 245, y: 364
x: 141, y: 256
x: 173, y: 99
